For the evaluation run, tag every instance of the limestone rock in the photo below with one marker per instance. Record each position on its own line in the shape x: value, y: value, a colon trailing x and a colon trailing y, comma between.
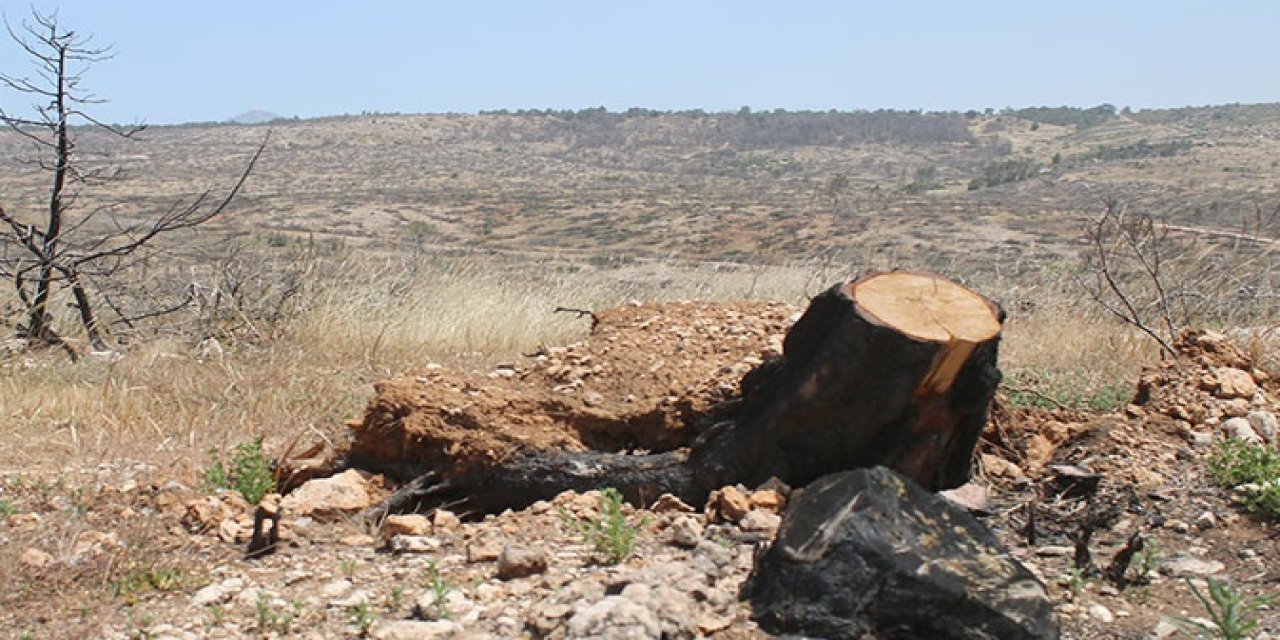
x: 1234, y: 383
x: 686, y: 532
x: 518, y: 561
x: 412, y: 524
x: 331, y: 498
x: 1264, y: 424
x: 867, y: 552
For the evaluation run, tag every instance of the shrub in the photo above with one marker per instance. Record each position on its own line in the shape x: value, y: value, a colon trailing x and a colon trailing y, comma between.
x: 608, y: 533
x: 248, y: 472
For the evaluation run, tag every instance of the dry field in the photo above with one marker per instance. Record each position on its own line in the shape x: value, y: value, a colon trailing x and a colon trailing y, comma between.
x: 368, y: 246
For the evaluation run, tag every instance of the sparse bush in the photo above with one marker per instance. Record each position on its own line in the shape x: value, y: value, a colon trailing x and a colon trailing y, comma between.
x: 608, y: 533
x: 248, y: 472
x: 1237, y: 463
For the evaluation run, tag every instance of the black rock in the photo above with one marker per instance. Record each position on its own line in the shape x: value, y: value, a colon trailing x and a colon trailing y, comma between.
x: 867, y: 552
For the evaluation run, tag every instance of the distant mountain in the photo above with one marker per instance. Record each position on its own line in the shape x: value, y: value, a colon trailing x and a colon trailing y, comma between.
x: 257, y: 116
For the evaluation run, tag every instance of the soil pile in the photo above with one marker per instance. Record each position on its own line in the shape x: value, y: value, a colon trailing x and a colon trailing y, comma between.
x: 643, y: 380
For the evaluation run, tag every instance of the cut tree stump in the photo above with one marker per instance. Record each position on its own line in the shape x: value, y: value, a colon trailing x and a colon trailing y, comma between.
x: 895, y: 369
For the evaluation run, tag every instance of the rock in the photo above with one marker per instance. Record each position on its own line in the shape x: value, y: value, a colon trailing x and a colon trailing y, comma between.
x: 1166, y: 628
x: 686, y: 532
x: 865, y: 552
x: 413, y: 544
x: 1101, y: 614
x: 1206, y: 520
x: 668, y: 503
x: 1235, y: 407
x: 518, y: 561
x: 414, y: 629
x: 729, y: 504
x: 999, y: 467
x: 357, y: 540
x: 769, y: 500
x: 971, y: 497
x: 445, y: 520
x: 485, y: 548
x: 1240, y: 429
x: 329, y: 499
x: 760, y: 520
x: 413, y: 524
x: 35, y: 558
x: 335, y: 588
x: 353, y: 599
x: 1264, y: 424
x: 614, y: 617
x: 217, y: 593
x: 1234, y: 383
x: 1183, y: 565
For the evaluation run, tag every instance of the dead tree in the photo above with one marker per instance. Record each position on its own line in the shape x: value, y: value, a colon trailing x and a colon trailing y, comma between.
x: 60, y: 248
x: 894, y: 369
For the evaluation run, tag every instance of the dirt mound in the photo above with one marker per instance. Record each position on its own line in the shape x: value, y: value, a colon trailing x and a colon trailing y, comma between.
x: 642, y: 380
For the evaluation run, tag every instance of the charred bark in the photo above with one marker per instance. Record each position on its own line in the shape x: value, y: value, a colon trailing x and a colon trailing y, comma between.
x: 895, y: 369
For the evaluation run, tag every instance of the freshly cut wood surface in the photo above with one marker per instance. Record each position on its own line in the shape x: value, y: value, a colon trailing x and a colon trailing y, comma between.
x: 926, y: 307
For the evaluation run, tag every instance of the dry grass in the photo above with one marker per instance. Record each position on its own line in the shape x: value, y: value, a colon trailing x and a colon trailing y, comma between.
x: 163, y: 404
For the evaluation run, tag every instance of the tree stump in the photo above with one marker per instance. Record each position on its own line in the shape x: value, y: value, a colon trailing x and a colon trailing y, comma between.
x: 894, y: 369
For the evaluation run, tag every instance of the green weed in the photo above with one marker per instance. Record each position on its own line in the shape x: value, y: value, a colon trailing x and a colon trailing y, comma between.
x: 608, y: 533
x: 248, y: 472
x: 1232, y: 614
x: 1236, y: 463
x: 440, y: 588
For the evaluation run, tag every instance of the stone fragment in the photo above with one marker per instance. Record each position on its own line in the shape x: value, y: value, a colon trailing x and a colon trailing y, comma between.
x: 760, y: 520
x: 484, y: 549
x: 1234, y: 383
x: 668, y: 503
x: 35, y: 558
x: 413, y: 544
x: 1181, y: 565
x: 1264, y: 424
x: 686, y: 532
x: 445, y: 520
x: 614, y: 617
x: 866, y: 552
x: 729, y: 504
x: 414, y: 630
x: 329, y: 499
x: 971, y: 497
x: 519, y: 561
x: 1240, y: 429
x: 769, y: 500
x: 1101, y: 613
x: 413, y: 524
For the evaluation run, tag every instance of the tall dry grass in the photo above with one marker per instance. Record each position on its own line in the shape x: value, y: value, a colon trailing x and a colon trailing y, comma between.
x: 355, y: 322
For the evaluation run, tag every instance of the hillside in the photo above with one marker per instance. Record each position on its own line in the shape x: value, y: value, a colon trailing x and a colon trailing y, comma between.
x: 872, y: 188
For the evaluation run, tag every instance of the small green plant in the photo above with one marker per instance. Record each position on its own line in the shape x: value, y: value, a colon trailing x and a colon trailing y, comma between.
x: 1236, y: 463
x: 609, y: 533
x: 217, y: 615
x: 1147, y: 561
x: 1077, y: 579
x: 440, y: 588
x: 1231, y: 614
x: 137, y: 580
x: 142, y: 627
x: 248, y: 472
x: 6, y: 508
x: 362, y: 616
x: 270, y: 618
x: 349, y: 568
x: 395, y: 599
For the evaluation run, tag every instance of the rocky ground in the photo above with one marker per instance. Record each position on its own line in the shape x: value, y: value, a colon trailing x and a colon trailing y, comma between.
x: 121, y: 551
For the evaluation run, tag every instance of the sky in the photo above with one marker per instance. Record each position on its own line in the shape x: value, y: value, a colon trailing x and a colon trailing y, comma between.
x: 194, y: 61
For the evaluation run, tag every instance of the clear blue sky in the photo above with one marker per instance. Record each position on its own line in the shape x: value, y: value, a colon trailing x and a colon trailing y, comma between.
x: 196, y: 60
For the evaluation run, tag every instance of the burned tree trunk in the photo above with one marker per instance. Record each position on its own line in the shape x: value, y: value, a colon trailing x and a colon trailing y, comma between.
x: 895, y: 369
